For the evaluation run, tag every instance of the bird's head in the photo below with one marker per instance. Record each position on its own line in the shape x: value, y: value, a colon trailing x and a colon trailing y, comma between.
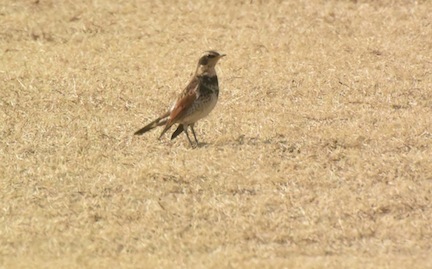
x: 207, y: 63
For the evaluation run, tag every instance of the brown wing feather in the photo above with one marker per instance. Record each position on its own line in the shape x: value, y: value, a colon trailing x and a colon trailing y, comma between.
x: 185, y: 100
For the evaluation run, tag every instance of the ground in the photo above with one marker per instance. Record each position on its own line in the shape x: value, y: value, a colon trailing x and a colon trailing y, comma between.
x: 317, y: 155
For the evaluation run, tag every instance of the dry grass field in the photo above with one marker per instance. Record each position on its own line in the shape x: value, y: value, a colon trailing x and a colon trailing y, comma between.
x: 317, y: 155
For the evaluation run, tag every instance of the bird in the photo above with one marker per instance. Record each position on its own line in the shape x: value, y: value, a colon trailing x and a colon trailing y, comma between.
x: 195, y: 102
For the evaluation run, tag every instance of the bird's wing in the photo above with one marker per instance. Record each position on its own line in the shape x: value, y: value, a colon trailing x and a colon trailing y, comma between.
x: 183, y: 103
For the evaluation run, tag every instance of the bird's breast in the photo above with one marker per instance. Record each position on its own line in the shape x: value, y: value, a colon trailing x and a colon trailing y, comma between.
x: 200, y: 108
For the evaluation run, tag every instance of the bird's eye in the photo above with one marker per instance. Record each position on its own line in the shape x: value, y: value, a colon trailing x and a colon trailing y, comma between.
x: 211, y: 56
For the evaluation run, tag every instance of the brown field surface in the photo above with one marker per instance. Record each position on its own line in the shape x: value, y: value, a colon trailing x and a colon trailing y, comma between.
x: 317, y: 155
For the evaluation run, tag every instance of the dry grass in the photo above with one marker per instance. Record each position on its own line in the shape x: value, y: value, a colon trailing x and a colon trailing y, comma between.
x: 318, y: 154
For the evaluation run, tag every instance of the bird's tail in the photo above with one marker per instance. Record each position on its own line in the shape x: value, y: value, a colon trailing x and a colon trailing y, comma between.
x: 162, y: 120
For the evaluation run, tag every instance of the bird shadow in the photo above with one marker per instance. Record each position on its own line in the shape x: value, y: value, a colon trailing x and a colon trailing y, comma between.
x: 279, y: 141
x: 202, y: 145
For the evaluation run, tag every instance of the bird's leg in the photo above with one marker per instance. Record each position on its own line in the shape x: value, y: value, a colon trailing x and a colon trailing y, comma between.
x: 187, y: 135
x: 193, y: 132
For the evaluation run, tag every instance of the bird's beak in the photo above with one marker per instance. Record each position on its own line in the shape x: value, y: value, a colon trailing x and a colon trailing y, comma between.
x: 222, y: 55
